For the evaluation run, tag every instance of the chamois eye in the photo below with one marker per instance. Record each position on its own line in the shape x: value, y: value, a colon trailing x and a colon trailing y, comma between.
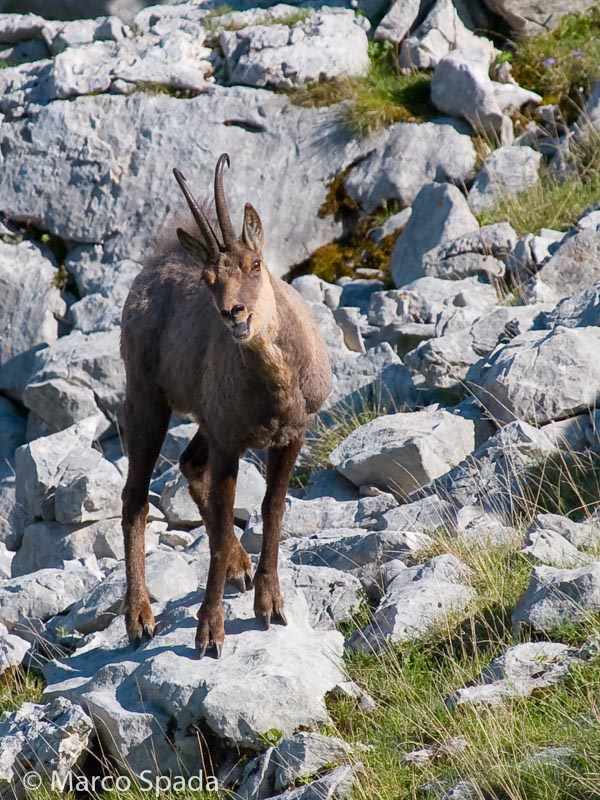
x: 256, y: 264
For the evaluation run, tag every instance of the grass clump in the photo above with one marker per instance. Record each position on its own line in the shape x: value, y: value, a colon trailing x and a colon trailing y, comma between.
x: 564, y: 483
x: 166, y: 88
x: 555, y: 201
x: 18, y: 686
x: 562, y: 65
x: 411, y: 684
x: 384, y: 96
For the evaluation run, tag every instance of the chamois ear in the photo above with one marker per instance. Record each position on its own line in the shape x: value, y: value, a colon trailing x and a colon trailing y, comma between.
x: 252, y: 230
x: 193, y: 246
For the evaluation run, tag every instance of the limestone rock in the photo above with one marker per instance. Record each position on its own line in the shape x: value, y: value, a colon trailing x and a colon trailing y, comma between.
x: 493, y: 477
x: 45, y: 593
x: 582, y: 534
x: 400, y: 452
x: 38, y: 466
x: 349, y: 550
x: 377, y: 376
x: 579, y: 310
x: 497, y: 240
x: 409, y: 157
x: 552, y: 549
x: 573, y: 268
x: 49, y: 740
x: 461, y: 87
x: 12, y: 514
x: 136, y: 696
x: 439, y: 214
x: 12, y: 424
x: 442, y: 30
x: 398, y: 21
x: 416, y: 601
x: 518, y: 672
x: 445, y: 359
x: 539, y: 376
x: 12, y: 653
x: 420, y: 516
x: 61, y: 477
x: 333, y: 595
x: 53, y: 188
x: 507, y: 171
x: 534, y: 17
x: 180, y: 509
x: 302, y: 518
x: 78, y: 376
x: 51, y: 544
x: 329, y: 44
x: 555, y: 596
x: 168, y: 575
x: 29, y: 301
x: 297, y: 758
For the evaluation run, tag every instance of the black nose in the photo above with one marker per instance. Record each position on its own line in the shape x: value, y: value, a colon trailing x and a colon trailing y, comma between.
x: 232, y: 313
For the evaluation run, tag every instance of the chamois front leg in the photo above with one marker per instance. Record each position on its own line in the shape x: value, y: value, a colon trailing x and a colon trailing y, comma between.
x: 268, y: 602
x: 222, y: 539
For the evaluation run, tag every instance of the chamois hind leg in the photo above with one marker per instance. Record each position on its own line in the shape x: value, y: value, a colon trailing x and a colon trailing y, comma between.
x: 223, y: 469
x: 194, y: 465
x: 268, y: 602
x: 146, y: 421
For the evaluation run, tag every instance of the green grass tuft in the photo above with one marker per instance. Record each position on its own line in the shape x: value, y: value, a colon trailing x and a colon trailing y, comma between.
x: 563, y: 65
x: 553, y: 202
x: 18, y: 686
x: 384, y: 96
x: 565, y: 483
x: 411, y: 683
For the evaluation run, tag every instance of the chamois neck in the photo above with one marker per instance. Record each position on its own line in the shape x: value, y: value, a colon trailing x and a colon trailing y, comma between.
x: 270, y: 363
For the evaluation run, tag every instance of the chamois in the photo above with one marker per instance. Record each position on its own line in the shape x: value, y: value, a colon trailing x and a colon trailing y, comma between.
x: 208, y: 331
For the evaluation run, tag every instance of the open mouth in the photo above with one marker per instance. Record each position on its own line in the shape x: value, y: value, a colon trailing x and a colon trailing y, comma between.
x: 241, y: 330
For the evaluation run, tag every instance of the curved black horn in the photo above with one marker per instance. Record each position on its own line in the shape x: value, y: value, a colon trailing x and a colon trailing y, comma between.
x: 200, y: 217
x: 221, y: 204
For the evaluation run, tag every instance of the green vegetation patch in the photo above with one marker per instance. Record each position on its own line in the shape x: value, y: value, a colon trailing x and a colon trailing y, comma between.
x: 555, y: 202
x: 565, y: 483
x: 411, y: 684
x: 166, y: 88
x: 384, y: 96
x: 212, y: 24
x: 18, y: 686
x: 563, y: 65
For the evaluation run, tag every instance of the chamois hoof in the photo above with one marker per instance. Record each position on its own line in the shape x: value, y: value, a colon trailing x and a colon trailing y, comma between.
x: 145, y: 637
x: 268, y: 602
x: 239, y: 569
x: 202, y: 647
x: 242, y: 583
x: 266, y: 618
x: 210, y: 633
x: 139, y: 621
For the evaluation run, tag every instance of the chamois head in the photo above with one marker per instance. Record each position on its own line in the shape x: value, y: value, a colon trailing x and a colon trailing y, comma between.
x: 232, y: 267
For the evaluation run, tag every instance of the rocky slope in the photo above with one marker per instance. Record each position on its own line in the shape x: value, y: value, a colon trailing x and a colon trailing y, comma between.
x: 469, y: 392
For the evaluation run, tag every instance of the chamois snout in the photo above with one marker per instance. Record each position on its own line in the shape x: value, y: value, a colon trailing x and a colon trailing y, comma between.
x: 238, y: 321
